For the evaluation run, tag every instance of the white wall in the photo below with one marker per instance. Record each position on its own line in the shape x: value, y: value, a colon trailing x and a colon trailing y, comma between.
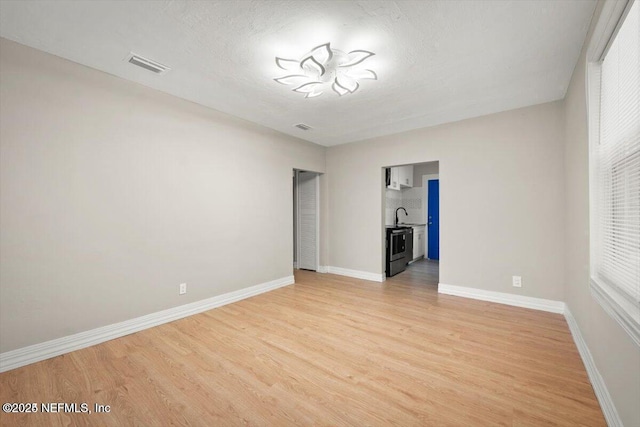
x: 616, y: 356
x: 111, y: 194
x: 421, y: 169
x: 501, y: 199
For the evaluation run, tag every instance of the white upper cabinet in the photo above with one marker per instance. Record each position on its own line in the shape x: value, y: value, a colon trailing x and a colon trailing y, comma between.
x: 401, y: 177
x: 394, y: 182
x: 406, y: 175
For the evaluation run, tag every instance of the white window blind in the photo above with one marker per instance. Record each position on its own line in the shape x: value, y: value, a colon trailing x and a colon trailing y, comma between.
x: 615, y: 178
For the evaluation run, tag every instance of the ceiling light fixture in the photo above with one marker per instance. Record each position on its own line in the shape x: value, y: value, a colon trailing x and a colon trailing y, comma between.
x: 323, y: 68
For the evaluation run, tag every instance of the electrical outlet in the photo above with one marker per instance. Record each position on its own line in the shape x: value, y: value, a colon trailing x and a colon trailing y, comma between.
x: 183, y: 288
x: 517, y: 281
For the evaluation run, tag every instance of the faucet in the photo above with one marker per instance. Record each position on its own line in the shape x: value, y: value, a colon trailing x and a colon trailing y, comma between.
x: 405, y: 212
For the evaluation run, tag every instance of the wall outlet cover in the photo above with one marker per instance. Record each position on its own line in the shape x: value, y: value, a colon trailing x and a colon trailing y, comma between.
x: 517, y: 281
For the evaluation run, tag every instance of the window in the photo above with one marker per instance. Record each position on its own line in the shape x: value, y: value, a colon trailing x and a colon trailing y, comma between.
x: 614, y: 118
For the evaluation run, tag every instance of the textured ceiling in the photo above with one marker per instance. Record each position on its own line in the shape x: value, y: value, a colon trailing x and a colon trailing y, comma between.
x: 437, y: 61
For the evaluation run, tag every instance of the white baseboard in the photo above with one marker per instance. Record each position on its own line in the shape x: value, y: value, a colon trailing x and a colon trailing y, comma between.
x: 356, y: 274
x: 599, y: 387
x: 323, y: 269
x: 46, y: 350
x: 503, y: 298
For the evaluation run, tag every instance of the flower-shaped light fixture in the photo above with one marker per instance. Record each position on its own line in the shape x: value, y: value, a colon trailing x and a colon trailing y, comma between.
x: 323, y: 68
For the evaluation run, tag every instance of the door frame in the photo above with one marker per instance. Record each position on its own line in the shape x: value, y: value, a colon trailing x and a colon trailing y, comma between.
x: 425, y: 206
x: 316, y: 179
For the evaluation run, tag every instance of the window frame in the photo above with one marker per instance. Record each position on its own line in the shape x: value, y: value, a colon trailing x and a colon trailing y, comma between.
x: 615, y: 301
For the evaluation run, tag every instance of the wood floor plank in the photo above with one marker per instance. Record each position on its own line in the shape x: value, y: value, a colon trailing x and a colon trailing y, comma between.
x: 328, y: 350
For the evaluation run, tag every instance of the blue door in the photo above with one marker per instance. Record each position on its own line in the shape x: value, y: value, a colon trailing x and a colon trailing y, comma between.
x: 433, y: 220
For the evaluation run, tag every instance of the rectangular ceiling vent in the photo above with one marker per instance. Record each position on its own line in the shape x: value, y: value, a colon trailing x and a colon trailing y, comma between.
x: 147, y: 64
x: 303, y: 126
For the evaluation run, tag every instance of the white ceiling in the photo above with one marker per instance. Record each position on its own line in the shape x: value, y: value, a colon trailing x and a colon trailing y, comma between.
x: 437, y: 61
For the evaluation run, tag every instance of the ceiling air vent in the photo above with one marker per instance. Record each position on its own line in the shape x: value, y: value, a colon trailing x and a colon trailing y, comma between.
x: 147, y: 64
x: 303, y: 126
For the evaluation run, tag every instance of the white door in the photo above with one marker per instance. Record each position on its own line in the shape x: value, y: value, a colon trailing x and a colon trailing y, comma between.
x: 307, y: 221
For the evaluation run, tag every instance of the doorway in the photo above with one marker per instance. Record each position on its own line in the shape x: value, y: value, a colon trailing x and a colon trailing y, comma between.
x: 411, y: 199
x: 306, y: 220
x: 433, y: 219
x: 431, y: 207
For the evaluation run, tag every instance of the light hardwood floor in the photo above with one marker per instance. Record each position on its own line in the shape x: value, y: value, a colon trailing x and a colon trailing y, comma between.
x: 328, y: 350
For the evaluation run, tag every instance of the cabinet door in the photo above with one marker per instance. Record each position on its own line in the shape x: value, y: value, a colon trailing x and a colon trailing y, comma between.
x: 395, y: 179
x: 420, y: 243
x: 406, y: 176
x: 416, y: 243
x: 409, y: 177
